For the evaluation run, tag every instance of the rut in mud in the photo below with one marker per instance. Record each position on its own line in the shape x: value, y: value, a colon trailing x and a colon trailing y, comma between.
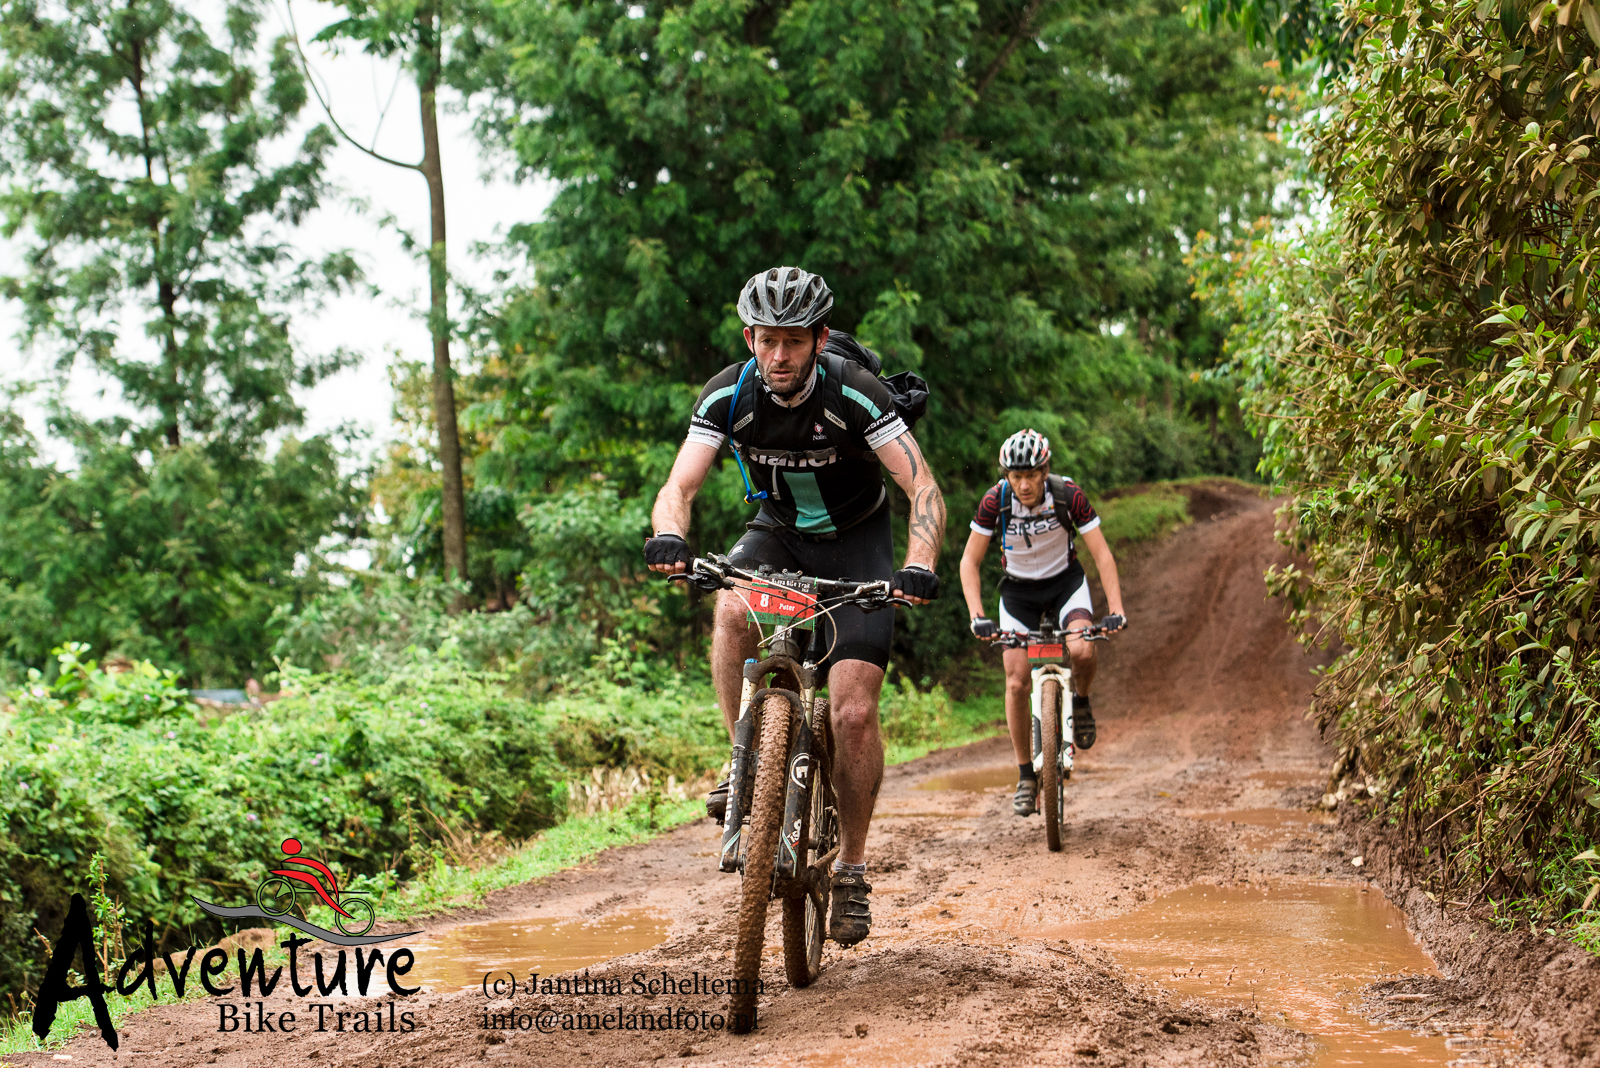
x: 986, y: 948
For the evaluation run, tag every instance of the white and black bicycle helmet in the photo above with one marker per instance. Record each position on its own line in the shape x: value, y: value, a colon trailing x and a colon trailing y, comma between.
x: 785, y: 296
x: 1024, y: 451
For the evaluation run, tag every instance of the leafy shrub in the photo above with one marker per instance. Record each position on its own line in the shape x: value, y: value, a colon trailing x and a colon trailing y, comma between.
x: 910, y: 717
x: 1130, y: 518
x: 1424, y: 370
x: 182, y: 806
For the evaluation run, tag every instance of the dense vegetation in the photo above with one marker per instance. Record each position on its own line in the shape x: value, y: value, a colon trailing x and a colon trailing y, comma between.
x: 1424, y: 374
x: 381, y: 777
x: 1003, y: 197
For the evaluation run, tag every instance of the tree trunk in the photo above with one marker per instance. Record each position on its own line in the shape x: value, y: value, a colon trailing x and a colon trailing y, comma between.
x: 444, y: 391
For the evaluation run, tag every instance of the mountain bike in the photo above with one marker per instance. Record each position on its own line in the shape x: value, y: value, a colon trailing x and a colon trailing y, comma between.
x: 781, y: 827
x: 1051, y: 714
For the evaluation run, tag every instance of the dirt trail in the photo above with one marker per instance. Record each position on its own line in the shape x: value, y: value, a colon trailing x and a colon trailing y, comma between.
x: 979, y: 954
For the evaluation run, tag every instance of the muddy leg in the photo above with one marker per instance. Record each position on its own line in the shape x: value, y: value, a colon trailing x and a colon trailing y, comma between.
x: 1019, y: 718
x: 1083, y: 663
x: 853, y: 687
x: 733, y: 641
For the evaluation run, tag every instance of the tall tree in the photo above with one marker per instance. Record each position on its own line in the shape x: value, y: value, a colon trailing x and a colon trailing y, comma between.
x: 418, y: 33
x: 150, y: 189
x: 1001, y: 195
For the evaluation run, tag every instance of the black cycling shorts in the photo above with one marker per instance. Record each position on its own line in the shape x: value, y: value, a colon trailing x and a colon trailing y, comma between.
x: 1061, y: 598
x: 864, y: 552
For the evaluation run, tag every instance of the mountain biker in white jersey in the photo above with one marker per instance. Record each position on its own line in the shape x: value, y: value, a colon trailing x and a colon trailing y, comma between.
x: 1036, y: 515
x: 814, y: 450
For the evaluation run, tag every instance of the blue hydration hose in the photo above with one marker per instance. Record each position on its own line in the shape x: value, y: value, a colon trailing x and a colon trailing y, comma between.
x: 751, y: 494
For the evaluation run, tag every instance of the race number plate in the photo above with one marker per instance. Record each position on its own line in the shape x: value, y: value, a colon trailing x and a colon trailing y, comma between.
x: 779, y: 606
x: 1045, y: 654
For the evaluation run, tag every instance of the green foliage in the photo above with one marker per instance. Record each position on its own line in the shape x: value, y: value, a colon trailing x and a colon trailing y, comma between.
x: 152, y: 189
x: 170, y: 557
x: 1425, y: 373
x: 1295, y: 29
x: 1002, y: 198
x: 1131, y: 518
x: 181, y: 807
x: 125, y: 697
x: 586, y: 610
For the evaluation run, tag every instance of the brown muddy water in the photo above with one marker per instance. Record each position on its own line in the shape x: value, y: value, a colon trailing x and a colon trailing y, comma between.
x: 973, y: 780
x: 557, y: 945
x: 1268, y: 826
x: 1297, y: 952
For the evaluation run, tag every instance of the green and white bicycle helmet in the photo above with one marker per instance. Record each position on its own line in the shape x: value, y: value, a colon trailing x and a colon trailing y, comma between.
x: 785, y: 296
x: 1024, y: 451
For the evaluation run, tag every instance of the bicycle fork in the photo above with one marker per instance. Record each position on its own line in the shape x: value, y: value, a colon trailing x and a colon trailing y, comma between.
x: 1035, y: 701
x: 792, y: 876
x: 744, y: 734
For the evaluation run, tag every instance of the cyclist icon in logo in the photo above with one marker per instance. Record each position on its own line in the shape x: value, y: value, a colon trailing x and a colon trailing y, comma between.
x: 282, y: 888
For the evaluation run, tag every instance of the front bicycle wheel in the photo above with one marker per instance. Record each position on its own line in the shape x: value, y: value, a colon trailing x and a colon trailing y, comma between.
x: 805, y: 920
x: 361, y: 918
x: 1050, y: 786
x: 761, y: 848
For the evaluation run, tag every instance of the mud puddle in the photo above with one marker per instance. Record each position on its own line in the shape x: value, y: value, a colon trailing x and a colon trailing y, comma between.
x: 1272, y: 824
x: 1296, y: 951
x: 973, y: 780
x: 557, y: 945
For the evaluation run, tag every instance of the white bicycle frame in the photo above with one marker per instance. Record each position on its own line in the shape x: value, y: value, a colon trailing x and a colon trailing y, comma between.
x: 1064, y: 673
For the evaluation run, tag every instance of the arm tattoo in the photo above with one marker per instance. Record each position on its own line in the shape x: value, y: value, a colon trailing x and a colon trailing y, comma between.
x: 908, y: 445
x: 927, y: 521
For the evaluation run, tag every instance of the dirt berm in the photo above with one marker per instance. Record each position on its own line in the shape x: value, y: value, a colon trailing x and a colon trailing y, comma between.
x: 984, y: 945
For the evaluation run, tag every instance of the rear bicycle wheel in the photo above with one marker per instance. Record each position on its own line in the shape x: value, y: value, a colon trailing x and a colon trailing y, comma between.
x: 1051, y: 798
x: 275, y: 896
x: 761, y: 848
x: 805, y: 920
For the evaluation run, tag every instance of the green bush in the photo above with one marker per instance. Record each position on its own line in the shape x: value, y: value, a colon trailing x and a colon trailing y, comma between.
x: 182, y: 806
x: 1424, y: 369
x: 1131, y: 518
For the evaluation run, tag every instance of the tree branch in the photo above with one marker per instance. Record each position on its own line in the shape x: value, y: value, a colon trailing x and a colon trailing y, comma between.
x: 1023, y: 28
x: 327, y: 109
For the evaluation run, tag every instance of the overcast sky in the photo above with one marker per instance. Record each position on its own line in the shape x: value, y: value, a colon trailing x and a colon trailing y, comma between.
x: 358, y: 87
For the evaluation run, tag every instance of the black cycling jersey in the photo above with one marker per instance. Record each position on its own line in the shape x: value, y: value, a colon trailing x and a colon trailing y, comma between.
x: 814, y: 460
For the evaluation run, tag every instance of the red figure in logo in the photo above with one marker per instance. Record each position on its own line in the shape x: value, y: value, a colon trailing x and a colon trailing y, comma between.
x: 328, y: 893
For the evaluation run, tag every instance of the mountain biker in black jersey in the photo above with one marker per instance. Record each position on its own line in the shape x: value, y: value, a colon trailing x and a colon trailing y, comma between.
x: 1036, y: 515
x: 813, y: 450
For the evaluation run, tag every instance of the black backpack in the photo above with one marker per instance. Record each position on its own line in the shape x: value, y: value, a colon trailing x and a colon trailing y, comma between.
x: 908, y: 390
x: 1057, y: 486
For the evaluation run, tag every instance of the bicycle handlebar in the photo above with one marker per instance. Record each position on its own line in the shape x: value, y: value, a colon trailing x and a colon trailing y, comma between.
x: 714, y: 572
x: 1012, y: 639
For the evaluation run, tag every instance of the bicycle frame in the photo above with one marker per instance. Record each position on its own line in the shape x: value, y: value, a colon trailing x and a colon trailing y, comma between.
x: 785, y: 663
x: 1047, y: 652
x: 1041, y: 672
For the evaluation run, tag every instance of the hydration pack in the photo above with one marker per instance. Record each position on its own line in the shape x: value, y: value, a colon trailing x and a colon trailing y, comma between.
x: 908, y: 390
x: 1057, y: 487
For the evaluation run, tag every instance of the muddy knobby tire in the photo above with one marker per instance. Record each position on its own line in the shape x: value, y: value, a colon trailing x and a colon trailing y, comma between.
x: 761, y: 848
x: 1050, y: 775
x: 805, y: 926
